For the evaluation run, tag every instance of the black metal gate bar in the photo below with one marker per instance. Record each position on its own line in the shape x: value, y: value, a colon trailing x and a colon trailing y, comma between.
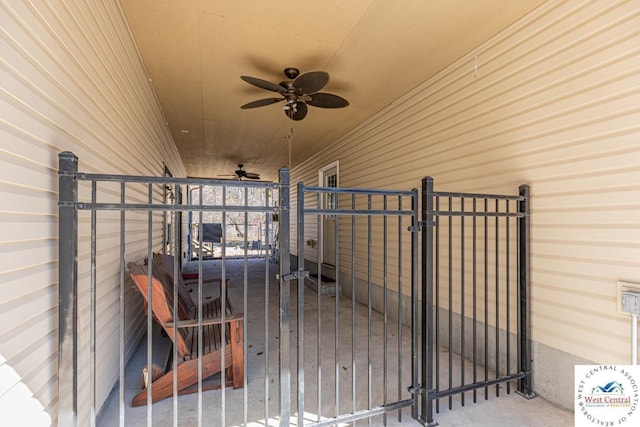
x: 67, y: 291
x: 336, y: 240
x: 319, y: 315
x: 508, y: 294
x: 486, y: 294
x: 200, y: 302
x: 364, y: 414
x: 176, y: 272
x: 93, y: 304
x: 428, y: 317
x: 384, y: 308
x: 121, y: 312
x: 285, y: 298
x: 415, y: 296
x: 353, y: 306
x: 525, y: 385
x: 300, y: 307
x: 475, y: 299
x: 399, y: 332
x: 369, y: 364
x: 223, y: 312
x: 450, y: 296
x: 267, y: 378
x: 149, y: 304
x: 245, y: 309
x: 432, y: 217
x: 369, y: 213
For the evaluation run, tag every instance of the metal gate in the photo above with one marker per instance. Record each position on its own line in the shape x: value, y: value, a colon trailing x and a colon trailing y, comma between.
x: 476, y: 296
x: 356, y: 358
x: 361, y: 340
x: 108, y: 221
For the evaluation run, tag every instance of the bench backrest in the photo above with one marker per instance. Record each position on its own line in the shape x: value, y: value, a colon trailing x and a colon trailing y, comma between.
x: 163, y: 269
x: 161, y: 303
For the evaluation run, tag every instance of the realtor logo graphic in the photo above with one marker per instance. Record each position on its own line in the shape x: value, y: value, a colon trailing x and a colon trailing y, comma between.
x: 607, y: 395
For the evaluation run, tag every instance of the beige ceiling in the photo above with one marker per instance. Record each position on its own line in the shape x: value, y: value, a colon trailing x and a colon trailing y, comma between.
x: 374, y: 50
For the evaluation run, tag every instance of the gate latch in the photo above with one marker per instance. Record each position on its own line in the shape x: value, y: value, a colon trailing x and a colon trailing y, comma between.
x: 421, y: 224
x: 294, y: 275
x: 415, y: 389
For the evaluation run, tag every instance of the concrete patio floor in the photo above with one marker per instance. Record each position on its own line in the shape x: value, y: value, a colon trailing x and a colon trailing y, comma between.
x: 253, y: 406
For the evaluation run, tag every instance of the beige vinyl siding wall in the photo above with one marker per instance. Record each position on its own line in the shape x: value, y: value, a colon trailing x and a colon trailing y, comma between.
x: 71, y: 79
x: 555, y: 104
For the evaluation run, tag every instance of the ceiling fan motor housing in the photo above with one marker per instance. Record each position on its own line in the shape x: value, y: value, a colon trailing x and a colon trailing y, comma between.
x: 291, y: 72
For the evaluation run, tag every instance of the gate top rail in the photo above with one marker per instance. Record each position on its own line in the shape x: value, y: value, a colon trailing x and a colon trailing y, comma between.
x: 372, y: 191
x: 170, y: 207
x: 489, y: 214
x: 448, y: 211
x: 359, y: 212
x: 369, y: 211
x: 80, y: 176
x: 477, y: 196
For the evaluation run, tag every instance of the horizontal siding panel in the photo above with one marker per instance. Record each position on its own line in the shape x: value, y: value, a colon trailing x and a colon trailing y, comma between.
x: 35, y: 200
x: 34, y: 326
x: 556, y: 105
x: 71, y: 80
x: 558, y: 333
x: 21, y: 253
x: 13, y: 312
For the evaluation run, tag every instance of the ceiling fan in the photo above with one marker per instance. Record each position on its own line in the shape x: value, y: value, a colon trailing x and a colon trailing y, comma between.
x: 298, y: 91
x: 240, y: 173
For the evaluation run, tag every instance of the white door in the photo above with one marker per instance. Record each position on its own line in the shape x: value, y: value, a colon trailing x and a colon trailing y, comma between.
x: 329, y: 178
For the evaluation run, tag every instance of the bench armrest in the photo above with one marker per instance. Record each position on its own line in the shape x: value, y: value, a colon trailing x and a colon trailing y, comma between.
x: 205, y: 321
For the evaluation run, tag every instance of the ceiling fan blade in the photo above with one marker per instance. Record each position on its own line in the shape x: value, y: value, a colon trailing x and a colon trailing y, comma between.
x: 327, y: 100
x: 311, y: 82
x: 251, y: 175
x: 299, y: 113
x: 261, y: 103
x: 263, y: 84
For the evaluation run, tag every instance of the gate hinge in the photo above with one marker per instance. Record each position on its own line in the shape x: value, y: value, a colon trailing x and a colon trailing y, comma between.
x: 294, y: 275
x: 415, y: 389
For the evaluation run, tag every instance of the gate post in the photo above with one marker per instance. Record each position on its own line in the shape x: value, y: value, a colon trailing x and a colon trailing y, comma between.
x: 67, y: 289
x: 300, y: 306
x: 415, y: 296
x: 428, y: 224
x: 285, y: 297
x: 525, y: 387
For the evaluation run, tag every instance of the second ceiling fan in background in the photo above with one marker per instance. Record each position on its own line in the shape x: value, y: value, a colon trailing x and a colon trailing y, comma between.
x: 297, y: 92
x: 240, y: 173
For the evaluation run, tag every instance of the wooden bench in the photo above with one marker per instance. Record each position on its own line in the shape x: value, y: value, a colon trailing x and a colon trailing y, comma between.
x: 165, y: 262
x: 186, y: 339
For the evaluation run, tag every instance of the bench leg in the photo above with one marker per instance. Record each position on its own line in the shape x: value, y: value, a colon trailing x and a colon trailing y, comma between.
x: 187, y: 376
x: 237, y: 351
